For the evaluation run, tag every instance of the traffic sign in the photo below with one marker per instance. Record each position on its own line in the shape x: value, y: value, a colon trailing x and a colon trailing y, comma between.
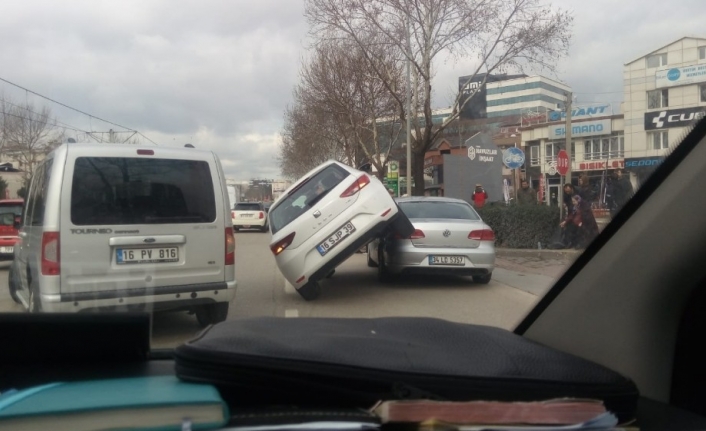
x: 513, y: 158
x: 562, y: 162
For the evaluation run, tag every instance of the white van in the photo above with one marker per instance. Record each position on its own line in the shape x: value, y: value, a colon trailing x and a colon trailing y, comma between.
x: 109, y: 227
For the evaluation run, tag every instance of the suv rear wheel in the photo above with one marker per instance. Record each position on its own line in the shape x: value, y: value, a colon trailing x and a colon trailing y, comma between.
x: 211, y: 314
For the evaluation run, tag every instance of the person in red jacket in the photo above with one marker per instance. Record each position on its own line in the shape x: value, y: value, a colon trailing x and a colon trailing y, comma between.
x: 479, y: 196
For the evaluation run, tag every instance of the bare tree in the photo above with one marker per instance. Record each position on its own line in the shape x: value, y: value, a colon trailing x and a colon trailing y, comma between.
x: 29, y: 134
x: 344, y: 107
x: 501, y: 34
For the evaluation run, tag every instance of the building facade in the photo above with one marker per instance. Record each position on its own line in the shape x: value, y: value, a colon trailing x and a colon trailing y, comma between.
x: 522, y: 95
x: 664, y: 93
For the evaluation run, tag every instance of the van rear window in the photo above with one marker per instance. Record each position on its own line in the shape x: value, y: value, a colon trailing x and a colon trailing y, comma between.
x: 117, y: 190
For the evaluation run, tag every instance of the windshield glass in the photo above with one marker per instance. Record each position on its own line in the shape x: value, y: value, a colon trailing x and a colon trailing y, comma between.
x: 443, y: 210
x: 305, y: 196
x: 216, y: 160
x: 247, y: 207
x: 115, y: 191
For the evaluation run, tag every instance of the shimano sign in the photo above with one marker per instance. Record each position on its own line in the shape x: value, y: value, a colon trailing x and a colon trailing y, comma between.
x: 586, y: 128
x: 673, y: 118
x: 582, y: 112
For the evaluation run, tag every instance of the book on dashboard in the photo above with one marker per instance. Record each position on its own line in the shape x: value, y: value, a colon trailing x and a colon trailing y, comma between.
x: 160, y: 402
x: 564, y: 411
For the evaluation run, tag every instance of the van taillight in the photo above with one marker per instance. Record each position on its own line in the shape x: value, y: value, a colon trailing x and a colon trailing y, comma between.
x: 482, y: 235
x: 361, y: 182
x: 230, y: 247
x: 282, y: 244
x: 50, y: 253
x: 262, y: 215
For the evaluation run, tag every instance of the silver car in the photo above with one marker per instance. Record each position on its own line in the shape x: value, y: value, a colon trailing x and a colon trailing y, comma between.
x: 449, y: 238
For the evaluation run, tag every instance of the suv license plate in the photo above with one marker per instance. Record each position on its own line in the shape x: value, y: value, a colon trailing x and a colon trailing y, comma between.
x: 447, y: 260
x: 336, y: 238
x: 147, y: 255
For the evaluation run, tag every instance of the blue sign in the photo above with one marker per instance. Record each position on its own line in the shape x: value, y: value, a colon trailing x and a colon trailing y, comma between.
x: 673, y: 74
x: 513, y: 158
x: 643, y: 162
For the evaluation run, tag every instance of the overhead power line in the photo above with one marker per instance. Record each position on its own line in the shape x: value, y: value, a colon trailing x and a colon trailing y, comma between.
x: 64, y: 105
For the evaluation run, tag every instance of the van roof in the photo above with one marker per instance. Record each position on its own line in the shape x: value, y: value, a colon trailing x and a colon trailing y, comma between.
x: 126, y: 150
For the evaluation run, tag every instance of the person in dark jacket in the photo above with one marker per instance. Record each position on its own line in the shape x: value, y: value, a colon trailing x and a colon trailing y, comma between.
x: 526, y: 194
x: 580, y: 224
x: 621, y: 191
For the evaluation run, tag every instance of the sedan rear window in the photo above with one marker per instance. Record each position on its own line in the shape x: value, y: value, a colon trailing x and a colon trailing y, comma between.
x: 305, y: 196
x: 116, y: 190
x: 447, y: 210
x: 248, y: 207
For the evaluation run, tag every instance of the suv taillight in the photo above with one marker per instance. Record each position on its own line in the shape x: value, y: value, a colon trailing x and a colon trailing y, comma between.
x: 50, y: 253
x: 262, y: 215
x: 230, y: 246
x: 282, y: 244
x: 361, y: 182
x: 482, y: 235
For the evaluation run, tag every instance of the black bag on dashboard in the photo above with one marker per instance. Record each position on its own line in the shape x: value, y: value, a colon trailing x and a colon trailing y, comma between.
x: 338, y: 362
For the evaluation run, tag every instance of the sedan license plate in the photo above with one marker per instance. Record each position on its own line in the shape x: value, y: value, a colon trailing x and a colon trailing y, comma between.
x: 7, y: 249
x: 336, y: 238
x: 447, y: 260
x: 147, y: 255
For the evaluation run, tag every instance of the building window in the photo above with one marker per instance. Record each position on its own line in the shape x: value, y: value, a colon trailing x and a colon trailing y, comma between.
x: 657, y: 99
x: 617, y: 147
x: 608, y: 147
x: 657, y: 60
x: 553, y: 148
x: 534, y: 155
x: 702, y: 90
x: 702, y: 53
x: 659, y: 140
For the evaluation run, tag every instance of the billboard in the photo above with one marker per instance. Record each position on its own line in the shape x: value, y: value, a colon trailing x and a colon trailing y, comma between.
x: 680, y: 76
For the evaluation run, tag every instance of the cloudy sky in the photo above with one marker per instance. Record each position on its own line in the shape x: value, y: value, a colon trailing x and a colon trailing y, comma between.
x: 219, y: 74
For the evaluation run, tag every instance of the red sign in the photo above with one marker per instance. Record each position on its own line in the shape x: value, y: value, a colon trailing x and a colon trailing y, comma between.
x: 595, y: 166
x: 562, y: 162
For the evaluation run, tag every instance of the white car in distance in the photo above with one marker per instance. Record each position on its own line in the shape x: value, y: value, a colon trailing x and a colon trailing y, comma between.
x: 324, y: 217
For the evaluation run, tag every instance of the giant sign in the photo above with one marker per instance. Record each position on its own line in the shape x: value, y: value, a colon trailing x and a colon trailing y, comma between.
x: 673, y: 117
x: 680, y: 76
x: 582, y: 112
x: 586, y: 128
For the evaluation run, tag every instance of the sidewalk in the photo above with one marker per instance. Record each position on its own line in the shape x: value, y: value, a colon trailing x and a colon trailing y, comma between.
x: 551, y: 263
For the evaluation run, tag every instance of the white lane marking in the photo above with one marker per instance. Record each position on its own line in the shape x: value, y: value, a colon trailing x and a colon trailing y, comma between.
x: 292, y: 312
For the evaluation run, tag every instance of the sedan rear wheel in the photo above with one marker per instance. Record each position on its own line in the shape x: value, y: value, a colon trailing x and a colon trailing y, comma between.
x: 310, y: 291
x: 384, y: 275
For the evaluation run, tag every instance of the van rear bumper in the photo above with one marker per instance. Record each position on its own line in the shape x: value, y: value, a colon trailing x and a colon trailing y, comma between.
x: 155, y: 298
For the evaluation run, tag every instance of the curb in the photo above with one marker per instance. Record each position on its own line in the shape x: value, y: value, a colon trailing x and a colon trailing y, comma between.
x: 537, y: 253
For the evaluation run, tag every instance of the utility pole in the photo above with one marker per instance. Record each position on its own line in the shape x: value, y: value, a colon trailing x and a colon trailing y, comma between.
x: 569, y: 97
x: 409, y: 114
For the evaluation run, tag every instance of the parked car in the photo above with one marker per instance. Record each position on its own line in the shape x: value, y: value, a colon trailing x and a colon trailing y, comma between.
x: 249, y: 215
x: 110, y: 226
x: 10, y: 216
x: 449, y: 238
x: 323, y: 218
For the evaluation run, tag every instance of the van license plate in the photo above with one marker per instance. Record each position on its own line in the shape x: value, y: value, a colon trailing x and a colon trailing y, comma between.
x: 336, y: 238
x: 447, y: 260
x: 147, y: 255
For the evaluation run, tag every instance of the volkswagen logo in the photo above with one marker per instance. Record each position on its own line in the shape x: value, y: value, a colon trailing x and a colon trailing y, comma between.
x: 447, y: 233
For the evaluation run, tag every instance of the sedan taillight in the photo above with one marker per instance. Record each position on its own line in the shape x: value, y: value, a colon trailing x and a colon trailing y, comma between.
x: 482, y: 235
x: 282, y: 244
x: 361, y: 182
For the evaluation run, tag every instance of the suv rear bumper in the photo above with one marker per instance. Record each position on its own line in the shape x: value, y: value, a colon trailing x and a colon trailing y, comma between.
x: 160, y: 298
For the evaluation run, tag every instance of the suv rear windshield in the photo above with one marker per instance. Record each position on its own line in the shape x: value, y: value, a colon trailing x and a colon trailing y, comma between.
x: 11, y: 208
x: 438, y: 209
x: 248, y: 207
x: 306, y: 195
x: 117, y: 190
